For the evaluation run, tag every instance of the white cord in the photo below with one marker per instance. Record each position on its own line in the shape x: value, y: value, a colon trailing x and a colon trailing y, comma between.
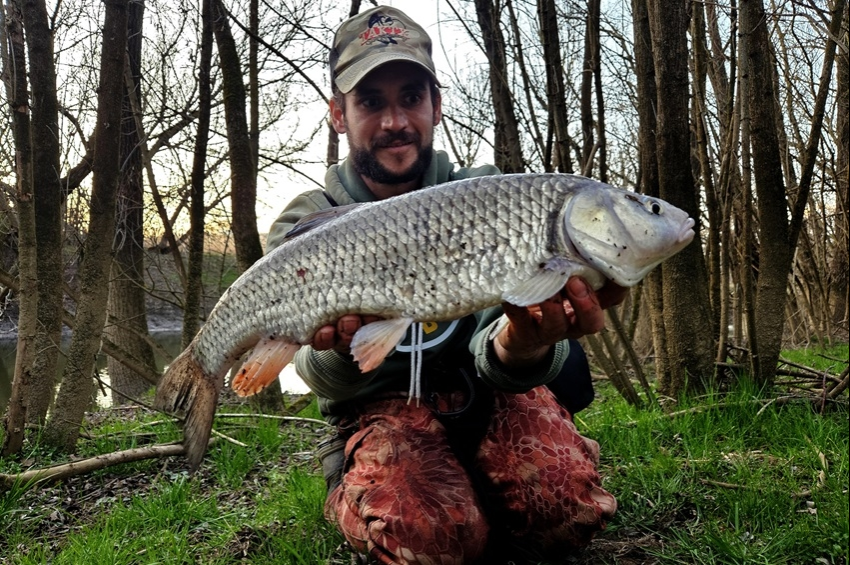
x: 417, y: 339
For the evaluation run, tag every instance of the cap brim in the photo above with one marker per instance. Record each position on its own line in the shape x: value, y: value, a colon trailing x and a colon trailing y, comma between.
x: 349, y: 77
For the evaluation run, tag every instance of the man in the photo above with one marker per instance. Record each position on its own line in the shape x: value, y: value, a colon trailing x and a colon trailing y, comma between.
x: 489, y: 455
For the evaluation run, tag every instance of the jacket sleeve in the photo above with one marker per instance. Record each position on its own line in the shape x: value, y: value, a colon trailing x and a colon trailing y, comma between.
x: 300, y: 206
x: 496, y: 374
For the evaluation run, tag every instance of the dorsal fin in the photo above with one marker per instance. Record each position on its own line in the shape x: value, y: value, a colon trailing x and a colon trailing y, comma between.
x: 316, y: 219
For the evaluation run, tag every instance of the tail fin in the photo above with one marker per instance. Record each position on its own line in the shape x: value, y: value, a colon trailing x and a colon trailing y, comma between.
x: 187, y: 391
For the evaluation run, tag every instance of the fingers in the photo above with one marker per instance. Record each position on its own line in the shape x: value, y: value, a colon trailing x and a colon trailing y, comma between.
x: 338, y: 336
x: 324, y: 338
x: 588, y: 317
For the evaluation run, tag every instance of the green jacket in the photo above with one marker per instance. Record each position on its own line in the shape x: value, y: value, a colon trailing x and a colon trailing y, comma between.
x: 465, y: 343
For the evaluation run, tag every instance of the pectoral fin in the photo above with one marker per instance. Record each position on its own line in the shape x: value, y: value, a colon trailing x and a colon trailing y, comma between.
x: 265, y: 363
x: 548, y: 281
x: 373, y: 342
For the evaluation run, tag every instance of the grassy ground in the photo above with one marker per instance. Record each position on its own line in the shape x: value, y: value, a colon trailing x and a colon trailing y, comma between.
x: 724, y: 478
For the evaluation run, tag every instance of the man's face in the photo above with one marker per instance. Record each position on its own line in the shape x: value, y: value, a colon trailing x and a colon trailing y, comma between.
x: 389, y: 121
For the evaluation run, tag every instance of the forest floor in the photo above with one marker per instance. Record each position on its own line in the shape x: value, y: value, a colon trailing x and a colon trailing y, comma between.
x: 729, y: 477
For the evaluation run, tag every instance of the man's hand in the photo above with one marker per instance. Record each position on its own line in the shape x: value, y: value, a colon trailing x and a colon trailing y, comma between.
x: 338, y: 337
x: 575, y: 312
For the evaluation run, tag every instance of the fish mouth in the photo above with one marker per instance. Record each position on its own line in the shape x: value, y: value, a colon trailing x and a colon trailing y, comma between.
x: 686, y: 234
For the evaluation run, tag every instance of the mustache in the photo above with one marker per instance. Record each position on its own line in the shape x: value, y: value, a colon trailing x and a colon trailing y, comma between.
x: 390, y: 139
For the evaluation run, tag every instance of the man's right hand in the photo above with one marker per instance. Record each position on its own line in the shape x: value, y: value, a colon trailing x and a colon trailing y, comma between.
x: 338, y: 336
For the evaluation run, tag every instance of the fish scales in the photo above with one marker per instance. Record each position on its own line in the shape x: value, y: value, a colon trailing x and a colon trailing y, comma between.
x: 431, y: 258
x: 434, y: 254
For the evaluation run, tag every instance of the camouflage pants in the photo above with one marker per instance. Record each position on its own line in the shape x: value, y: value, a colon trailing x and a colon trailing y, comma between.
x: 407, y: 498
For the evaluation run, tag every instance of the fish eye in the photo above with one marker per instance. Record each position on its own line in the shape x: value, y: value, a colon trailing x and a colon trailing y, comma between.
x: 654, y: 207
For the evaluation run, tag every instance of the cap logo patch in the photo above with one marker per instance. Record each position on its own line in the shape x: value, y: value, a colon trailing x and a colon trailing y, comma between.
x: 384, y: 29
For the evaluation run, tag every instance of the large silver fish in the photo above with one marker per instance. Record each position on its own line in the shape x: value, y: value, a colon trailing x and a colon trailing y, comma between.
x: 434, y: 254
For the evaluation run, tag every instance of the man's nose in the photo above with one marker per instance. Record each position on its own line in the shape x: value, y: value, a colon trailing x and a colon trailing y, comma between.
x: 394, y: 118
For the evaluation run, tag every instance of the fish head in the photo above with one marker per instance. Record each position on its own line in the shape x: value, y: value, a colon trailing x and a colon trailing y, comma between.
x: 622, y: 234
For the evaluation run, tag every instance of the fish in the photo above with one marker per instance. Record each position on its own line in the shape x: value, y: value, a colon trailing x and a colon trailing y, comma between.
x: 433, y: 254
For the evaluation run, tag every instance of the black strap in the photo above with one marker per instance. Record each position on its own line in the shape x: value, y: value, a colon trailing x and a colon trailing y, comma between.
x: 330, y: 198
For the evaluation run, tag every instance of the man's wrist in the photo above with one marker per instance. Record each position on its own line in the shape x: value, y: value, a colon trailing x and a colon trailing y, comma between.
x: 519, y: 359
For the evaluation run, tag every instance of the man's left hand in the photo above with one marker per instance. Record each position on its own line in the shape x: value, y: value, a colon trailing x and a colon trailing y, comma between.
x: 576, y: 311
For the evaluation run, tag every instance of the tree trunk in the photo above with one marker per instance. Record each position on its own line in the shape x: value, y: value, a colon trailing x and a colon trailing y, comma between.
x: 75, y: 392
x: 243, y: 171
x: 745, y: 216
x: 128, y: 326
x: 774, y: 251
x: 687, y: 312
x: 555, y: 96
x: 527, y: 86
x: 841, y: 255
x: 591, y: 61
x: 712, y: 201
x: 243, y: 182
x: 648, y: 175
x: 508, y: 151
x: 197, y: 211
x: 14, y: 71
x: 48, y: 204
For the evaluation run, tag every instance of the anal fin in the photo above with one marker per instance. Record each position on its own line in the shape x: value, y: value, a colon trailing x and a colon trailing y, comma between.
x: 265, y: 363
x: 373, y: 342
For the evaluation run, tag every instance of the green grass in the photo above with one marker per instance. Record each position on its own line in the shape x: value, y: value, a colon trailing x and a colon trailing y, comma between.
x: 832, y: 359
x: 730, y: 479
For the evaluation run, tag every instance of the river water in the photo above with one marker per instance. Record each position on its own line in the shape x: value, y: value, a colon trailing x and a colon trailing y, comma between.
x: 170, y: 343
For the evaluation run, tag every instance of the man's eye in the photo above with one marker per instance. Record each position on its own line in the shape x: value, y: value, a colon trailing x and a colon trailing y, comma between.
x: 413, y: 99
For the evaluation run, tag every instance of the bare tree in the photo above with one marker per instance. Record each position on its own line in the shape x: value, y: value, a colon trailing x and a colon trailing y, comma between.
x: 838, y: 272
x: 48, y: 202
x: 508, y: 157
x: 243, y: 189
x: 243, y: 168
x: 778, y: 235
x: 590, y: 86
x: 687, y: 317
x: 648, y: 170
x: 555, y: 83
x: 75, y: 391
x: 197, y: 211
x: 128, y: 326
x: 14, y: 70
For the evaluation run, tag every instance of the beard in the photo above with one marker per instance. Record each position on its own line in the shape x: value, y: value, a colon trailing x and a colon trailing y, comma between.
x: 367, y: 164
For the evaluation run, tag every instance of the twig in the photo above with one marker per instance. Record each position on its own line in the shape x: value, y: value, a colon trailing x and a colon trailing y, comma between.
x: 66, y: 470
x: 721, y: 484
x: 841, y: 386
x: 272, y: 417
x: 801, y: 494
x: 137, y: 401
x: 763, y: 408
x: 227, y: 438
x: 704, y: 407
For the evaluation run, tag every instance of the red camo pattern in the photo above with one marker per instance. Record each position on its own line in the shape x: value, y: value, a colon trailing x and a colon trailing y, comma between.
x: 406, y: 499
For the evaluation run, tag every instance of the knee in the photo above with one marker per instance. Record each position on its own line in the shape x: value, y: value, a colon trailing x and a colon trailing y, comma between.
x: 416, y: 537
x: 422, y: 533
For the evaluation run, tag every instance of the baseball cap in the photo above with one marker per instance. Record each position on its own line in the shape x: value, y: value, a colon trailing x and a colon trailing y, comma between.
x: 372, y: 38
